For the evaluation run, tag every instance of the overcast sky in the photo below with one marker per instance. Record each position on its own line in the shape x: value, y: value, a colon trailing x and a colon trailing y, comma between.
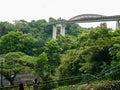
x: 43, y: 9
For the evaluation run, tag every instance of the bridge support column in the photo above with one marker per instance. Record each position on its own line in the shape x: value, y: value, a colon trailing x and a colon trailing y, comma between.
x: 54, y: 31
x: 62, y: 30
x: 117, y: 24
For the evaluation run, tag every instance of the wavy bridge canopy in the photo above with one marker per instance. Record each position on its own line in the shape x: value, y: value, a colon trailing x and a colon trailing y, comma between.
x: 85, y: 16
x: 93, y: 18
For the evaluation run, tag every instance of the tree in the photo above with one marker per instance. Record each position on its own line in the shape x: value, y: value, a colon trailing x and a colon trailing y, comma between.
x: 10, y: 42
x: 66, y: 43
x: 42, y: 70
x: 52, y: 50
x: 41, y: 66
x: 29, y: 44
x: 37, y: 28
x: 17, y: 41
x: 22, y: 26
x: 16, y: 63
x: 52, y: 20
x: 73, y: 29
x: 5, y: 28
x: 93, y: 50
x: 69, y: 64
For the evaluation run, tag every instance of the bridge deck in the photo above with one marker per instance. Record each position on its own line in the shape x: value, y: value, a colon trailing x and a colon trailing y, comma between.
x: 96, y: 19
x: 89, y: 19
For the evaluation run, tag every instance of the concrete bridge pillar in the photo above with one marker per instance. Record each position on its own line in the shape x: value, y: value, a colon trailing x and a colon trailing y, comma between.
x: 62, y: 30
x: 54, y: 31
x: 117, y: 24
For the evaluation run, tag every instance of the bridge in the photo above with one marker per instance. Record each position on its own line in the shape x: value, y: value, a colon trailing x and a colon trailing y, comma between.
x: 84, y: 18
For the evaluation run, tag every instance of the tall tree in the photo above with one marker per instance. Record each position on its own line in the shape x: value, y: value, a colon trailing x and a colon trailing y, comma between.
x: 42, y: 66
x: 52, y: 50
x: 17, y: 41
x: 11, y: 42
x: 22, y: 26
x: 16, y: 63
x: 6, y: 27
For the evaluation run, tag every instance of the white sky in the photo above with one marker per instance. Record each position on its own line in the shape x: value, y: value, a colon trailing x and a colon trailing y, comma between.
x: 43, y: 9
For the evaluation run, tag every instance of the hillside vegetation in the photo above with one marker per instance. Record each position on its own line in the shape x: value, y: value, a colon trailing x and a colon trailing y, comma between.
x: 28, y: 47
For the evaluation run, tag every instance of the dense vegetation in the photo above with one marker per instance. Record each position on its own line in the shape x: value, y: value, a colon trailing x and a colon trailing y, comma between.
x: 28, y: 47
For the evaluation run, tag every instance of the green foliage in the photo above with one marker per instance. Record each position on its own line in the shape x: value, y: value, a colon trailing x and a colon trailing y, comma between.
x: 16, y: 63
x: 81, y: 51
x: 17, y: 41
x: 39, y: 29
x: 69, y: 65
x: 48, y: 85
x: 42, y: 70
x: 6, y: 27
x: 11, y: 42
x: 29, y: 44
x: 73, y: 29
x: 114, y: 85
x: 52, y: 20
x: 41, y: 66
x: 52, y: 50
x: 22, y: 26
x: 66, y: 43
x: 92, y: 54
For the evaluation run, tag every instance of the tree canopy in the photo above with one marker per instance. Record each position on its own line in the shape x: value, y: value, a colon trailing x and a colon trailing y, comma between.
x: 29, y: 45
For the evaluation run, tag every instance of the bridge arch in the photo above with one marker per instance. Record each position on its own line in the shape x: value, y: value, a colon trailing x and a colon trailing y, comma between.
x: 83, y: 18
